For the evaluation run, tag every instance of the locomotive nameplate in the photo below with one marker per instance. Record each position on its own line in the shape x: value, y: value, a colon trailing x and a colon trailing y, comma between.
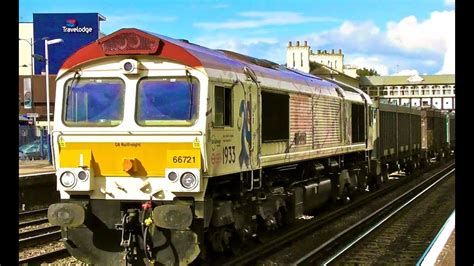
x: 183, y: 158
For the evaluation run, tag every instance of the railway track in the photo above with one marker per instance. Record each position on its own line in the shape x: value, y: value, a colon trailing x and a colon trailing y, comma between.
x: 35, y: 217
x: 266, y: 252
x: 36, y: 234
x: 48, y: 256
x: 39, y: 236
x: 26, y: 215
x: 388, y: 228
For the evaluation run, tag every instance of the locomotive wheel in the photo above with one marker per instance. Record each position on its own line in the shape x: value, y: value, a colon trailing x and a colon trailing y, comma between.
x: 221, y: 238
x: 374, y: 182
x: 410, y: 168
x: 346, y: 195
x: 282, y: 217
x: 226, y: 240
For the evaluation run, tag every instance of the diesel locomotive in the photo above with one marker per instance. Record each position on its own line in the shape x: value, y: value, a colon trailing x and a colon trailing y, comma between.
x: 164, y: 148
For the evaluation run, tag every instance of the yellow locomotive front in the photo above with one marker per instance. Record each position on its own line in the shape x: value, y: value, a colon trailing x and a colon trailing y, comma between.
x: 128, y: 131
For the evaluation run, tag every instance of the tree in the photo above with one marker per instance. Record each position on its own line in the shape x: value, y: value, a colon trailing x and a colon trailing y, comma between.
x: 367, y: 72
x: 312, y: 66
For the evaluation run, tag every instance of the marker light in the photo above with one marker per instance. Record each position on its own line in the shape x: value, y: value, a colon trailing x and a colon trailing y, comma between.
x: 128, y: 66
x: 129, y: 41
x: 172, y: 176
x: 67, y: 179
x: 188, y: 180
x: 82, y: 175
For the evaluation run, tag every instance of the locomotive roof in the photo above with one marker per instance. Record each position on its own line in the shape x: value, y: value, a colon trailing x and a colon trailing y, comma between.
x: 198, y: 56
x: 232, y: 61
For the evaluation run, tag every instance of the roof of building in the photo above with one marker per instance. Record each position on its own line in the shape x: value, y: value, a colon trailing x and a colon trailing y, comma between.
x: 407, y: 80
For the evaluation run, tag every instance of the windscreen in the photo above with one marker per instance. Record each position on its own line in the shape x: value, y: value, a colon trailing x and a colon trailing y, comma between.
x: 94, y: 102
x: 167, y: 101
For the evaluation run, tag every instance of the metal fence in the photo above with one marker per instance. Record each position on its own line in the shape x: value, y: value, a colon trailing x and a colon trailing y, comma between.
x: 32, y: 143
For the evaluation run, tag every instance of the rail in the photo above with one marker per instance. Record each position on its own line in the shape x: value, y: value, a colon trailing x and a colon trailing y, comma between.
x: 59, y: 253
x: 277, y: 243
x: 399, y: 204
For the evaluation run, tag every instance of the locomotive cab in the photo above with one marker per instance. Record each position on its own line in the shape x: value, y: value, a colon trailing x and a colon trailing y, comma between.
x: 128, y: 130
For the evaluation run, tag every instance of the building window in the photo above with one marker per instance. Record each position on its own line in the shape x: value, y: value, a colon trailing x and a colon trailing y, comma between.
x: 335, y: 64
x: 404, y: 91
x: 223, y: 106
x: 373, y: 92
x: 301, y: 59
x: 293, y: 59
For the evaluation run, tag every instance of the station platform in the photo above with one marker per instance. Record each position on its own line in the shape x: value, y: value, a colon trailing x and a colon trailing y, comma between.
x: 442, y: 249
x: 27, y: 167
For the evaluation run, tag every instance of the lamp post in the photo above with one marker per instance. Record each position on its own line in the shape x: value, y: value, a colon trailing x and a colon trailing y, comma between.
x: 46, y: 43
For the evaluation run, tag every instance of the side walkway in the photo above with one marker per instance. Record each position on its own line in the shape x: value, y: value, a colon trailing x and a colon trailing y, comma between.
x: 442, y: 249
x: 28, y: 167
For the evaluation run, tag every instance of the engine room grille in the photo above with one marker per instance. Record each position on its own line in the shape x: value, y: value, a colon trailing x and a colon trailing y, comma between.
x: 327, y: 121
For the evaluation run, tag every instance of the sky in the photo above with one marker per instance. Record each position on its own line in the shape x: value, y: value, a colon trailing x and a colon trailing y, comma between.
x: 395, y: 37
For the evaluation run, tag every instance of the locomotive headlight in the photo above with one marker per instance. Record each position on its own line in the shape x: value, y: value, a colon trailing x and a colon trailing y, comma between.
x: 189, y: 180
x: 67, y: 179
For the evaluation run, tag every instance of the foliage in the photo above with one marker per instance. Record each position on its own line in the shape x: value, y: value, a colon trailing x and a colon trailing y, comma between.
x: 367, y: 72
x: 312, y: 66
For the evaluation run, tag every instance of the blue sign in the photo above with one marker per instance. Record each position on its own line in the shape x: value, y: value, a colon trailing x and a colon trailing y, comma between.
x: 76, y: 30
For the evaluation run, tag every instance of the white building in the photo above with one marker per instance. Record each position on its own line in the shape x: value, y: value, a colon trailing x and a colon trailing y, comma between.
x: 437, y: 91
x: 297, y: 57
x: 300, y: 56
x: 26, y: 48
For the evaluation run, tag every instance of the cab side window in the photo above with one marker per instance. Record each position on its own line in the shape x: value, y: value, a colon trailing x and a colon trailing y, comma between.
x: 223, y: 106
